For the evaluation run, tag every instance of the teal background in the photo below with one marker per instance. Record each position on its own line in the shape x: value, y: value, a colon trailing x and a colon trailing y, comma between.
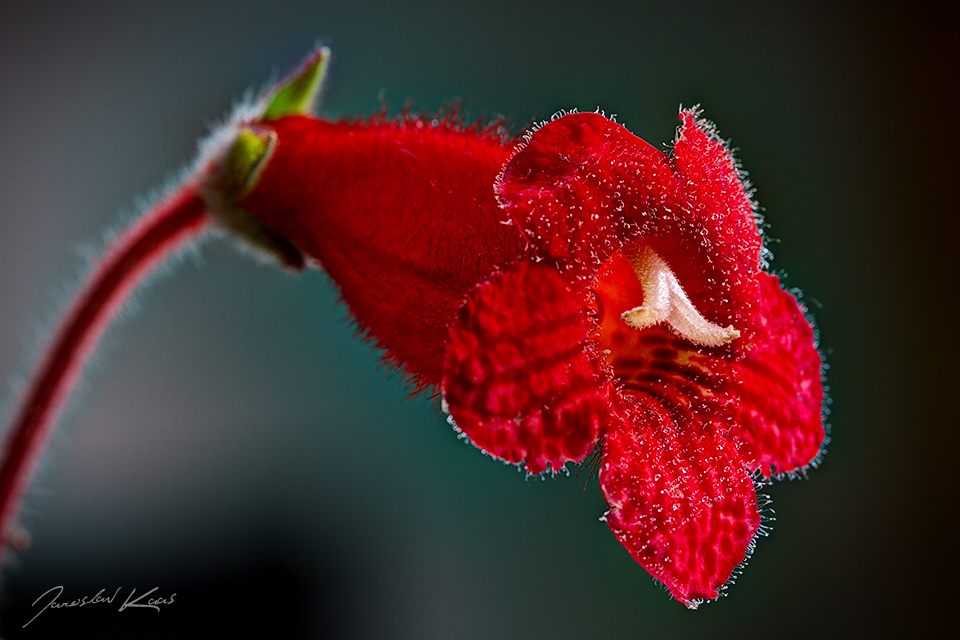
x: 236, y: 445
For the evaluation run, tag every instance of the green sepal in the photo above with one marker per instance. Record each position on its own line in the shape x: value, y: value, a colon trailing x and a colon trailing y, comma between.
x: 246, y: 160
x: 298, y: 94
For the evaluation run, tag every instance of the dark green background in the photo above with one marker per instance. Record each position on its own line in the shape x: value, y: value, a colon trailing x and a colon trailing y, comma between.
x: 237, y: 446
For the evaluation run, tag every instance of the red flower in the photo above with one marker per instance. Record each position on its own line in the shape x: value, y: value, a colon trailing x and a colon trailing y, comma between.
x: 630, y: 310
x: 589, y: 290
x: 400, y: 213
x: 643, y: 319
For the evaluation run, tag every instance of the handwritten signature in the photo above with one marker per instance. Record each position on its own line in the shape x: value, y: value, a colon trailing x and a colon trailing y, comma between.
x: 100, y: 598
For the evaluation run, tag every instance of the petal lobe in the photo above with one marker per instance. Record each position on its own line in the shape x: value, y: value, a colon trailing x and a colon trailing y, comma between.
x: 518, y: 379
x: 680, y: 501
x: 779, y: 415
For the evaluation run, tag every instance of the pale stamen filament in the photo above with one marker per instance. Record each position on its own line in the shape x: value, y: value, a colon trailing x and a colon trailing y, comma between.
x: 664, y: 300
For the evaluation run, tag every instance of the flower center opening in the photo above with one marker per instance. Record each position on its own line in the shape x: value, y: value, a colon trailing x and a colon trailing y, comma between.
x: 664, y: 300
x: 626, y: 330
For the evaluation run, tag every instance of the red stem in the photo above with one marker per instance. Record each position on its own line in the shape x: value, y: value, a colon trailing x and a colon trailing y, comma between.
x: 159, y: 233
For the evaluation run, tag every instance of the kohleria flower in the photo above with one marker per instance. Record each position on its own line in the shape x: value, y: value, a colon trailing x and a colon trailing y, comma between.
x: 575, y: 290
x: 636, y: 314
x: 646, y: 321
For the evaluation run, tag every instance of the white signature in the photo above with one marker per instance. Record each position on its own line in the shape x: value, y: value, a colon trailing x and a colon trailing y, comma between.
x: 100, y: 598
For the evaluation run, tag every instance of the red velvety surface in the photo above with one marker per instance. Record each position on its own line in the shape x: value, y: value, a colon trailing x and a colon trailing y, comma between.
x: 680, y: 500
x: 697, y: 418
x: 767, y: 403
x: 583, y: 186
x: 537, y: 365
x: 779, y: 388
x: 519, y: 378
x: 718, y: 227
x: 401, y: 214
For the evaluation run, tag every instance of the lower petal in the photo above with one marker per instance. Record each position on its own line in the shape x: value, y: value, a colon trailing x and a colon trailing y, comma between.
x: 680, y: 501
x: 779, y: 415
x: 519, y: 379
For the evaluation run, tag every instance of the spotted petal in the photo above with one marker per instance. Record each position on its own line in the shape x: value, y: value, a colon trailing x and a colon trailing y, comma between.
x: 519, y: 379
x: 680, y: 501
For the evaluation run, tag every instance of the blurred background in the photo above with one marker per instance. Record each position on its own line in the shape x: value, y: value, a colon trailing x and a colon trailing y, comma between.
x: 237, y: 446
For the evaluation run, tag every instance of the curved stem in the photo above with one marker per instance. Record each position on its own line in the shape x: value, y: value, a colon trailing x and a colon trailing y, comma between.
x: 163, y: 230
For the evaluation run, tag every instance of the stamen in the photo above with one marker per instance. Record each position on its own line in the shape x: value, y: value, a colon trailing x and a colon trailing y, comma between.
x: 664, y: 300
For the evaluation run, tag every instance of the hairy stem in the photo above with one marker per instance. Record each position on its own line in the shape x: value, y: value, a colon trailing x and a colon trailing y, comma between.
x: 163, y: 230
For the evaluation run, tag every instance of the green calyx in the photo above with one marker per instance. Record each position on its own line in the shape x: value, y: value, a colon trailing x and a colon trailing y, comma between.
x: 242, y: 168
x: 246, y: 160
x: 298, y: 94
x: 253, y: 147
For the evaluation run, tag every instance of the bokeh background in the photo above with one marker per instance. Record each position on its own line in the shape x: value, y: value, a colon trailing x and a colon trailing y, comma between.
x: 236, y: 445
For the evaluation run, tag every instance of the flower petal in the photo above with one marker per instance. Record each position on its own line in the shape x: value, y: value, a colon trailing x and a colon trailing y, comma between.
x: 718, y: 201
x: 680, y: 501
x: 584, y: 186
x: 581, y: 186
x: 518, y: 379
x: 779, y: 416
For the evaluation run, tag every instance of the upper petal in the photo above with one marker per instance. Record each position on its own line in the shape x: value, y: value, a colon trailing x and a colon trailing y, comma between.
x: 520, y: 379
x: 779, y: 387
x: 680, y: 500
x: 718, y: 208
x: 583, y: 186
